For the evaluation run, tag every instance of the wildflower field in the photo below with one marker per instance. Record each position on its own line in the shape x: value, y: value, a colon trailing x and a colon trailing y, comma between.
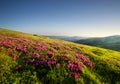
x: 32, y: 59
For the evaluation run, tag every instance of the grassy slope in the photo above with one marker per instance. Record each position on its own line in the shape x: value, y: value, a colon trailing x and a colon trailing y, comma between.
x: 111, y: 42
x: 102, y: 66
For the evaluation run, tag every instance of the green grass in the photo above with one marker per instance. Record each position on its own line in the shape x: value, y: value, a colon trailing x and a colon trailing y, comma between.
x: 111, y: 42
x: 105, y: 63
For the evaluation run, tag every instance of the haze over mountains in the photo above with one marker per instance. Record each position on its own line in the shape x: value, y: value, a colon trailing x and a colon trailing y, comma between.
x: 68, y: 38
x: 110, y: 42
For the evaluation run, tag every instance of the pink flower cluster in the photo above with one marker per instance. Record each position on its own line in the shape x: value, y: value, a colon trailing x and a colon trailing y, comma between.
x: 37, y: 53
x: 49, y: 62
x: 6, y: 43
x: 30, y: 60
x: 23, y: 46
x: 14, y: 56
x: 50, y: 53
x: 75, y: 68
x: 84, y: 59
x: 20, y: 48
x: 75, y: 74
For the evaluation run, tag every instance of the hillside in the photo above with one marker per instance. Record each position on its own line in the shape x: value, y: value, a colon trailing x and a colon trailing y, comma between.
x: 32, y: 59
x: 68, y: 38
x: 111, y: 42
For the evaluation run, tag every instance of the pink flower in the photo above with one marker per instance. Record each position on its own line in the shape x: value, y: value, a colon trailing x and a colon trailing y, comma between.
x: 24, y: 50
x: 30, y: 60
x: 68, y: 49
x: 43, y: 47
x: 51, y: 61
x: 9, y: 49
x: 90, y: 64
x: 75, y: 66
x: 76, y: 54
x: 75, y: 74
x: 14, y: 56
x: 17, y: 67
x: 38, y: 55
x: 50, y: 54
x: 58, y: 65
x: 83, y: 59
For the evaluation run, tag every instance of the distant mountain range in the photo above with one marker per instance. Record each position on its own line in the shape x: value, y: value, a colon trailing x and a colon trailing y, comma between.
x: 68, y: 38
x: 110, y: 42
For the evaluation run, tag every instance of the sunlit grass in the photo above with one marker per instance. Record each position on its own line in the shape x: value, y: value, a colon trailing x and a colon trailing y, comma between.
x: 20, y: 54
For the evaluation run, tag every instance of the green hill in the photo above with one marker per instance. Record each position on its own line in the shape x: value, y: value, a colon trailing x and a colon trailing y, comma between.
x: 111, y: 42
x: 32, y: 59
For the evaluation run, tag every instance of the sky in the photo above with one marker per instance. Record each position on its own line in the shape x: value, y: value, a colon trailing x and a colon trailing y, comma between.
x: 89, y: 18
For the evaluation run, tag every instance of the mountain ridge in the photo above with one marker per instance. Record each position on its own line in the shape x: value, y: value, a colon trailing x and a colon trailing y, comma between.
x: 68, y: 38
x: 110, y: 42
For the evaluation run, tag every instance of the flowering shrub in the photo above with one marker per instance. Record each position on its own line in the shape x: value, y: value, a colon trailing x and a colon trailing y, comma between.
x: 84, y: 59
x: 75, y: 68
x: 37, y: 56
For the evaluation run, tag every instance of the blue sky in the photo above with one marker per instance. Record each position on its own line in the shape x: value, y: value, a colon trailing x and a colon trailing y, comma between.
x: 62, y: 17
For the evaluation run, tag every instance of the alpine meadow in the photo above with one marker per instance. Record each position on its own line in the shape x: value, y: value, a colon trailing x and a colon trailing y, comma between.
x: 32, y: 59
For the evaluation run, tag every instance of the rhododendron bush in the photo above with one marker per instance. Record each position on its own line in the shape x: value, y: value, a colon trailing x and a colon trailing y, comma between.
x: 41, y: 58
